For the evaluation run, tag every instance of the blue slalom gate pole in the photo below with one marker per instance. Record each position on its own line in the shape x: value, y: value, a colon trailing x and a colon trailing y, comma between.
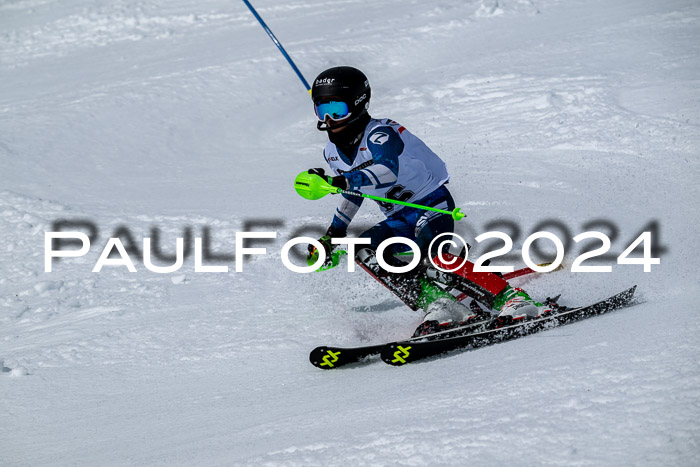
x: 277, y: 43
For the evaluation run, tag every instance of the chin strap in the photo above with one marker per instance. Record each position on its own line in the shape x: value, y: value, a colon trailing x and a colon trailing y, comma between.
x: 351, y: 135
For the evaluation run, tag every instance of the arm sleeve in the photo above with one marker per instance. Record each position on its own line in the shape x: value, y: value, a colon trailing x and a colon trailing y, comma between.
x: 386, y: 146
x: 346, y: 210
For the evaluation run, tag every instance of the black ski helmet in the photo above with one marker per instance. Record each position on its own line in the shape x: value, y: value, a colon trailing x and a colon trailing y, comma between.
x: 346, y: 83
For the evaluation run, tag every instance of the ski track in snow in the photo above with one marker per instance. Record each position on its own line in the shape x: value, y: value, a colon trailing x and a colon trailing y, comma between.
x: 171, y: 115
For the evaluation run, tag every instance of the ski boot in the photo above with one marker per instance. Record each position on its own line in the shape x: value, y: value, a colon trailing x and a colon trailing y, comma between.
x: 514, y: 304
x: 443, y: 314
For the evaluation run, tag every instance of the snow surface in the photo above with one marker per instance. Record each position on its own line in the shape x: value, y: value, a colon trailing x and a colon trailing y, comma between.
x: 174, y: 114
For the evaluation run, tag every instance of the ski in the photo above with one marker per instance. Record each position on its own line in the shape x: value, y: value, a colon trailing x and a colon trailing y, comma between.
x: 411, y: 350
x: 328, y: 358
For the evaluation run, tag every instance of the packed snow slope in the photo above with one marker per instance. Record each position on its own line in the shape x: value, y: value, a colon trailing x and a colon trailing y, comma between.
x: 143, y: 116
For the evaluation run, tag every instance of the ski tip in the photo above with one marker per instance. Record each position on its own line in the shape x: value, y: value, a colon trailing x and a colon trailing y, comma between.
x: 396, y: 354
x: 633, y: 289
x: 324, y: 357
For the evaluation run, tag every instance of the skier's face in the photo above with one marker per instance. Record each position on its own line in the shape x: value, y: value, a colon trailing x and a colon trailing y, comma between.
x: 336, y: 126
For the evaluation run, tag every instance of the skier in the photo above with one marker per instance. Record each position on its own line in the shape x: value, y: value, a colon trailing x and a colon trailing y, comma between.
x: 382, y: 158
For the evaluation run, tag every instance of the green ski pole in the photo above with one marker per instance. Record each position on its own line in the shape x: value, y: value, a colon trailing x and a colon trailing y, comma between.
x: 312, y: 186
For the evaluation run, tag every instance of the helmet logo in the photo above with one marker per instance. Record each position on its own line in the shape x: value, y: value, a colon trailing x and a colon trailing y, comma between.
x: 379, y: 138
x: 360, y: 99
x: 325, y: 81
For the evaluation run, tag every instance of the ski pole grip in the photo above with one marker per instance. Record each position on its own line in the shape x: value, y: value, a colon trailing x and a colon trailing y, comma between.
x: 312, y: 186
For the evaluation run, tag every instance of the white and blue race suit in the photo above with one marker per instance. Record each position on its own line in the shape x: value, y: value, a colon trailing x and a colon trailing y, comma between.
x: 391, y: 162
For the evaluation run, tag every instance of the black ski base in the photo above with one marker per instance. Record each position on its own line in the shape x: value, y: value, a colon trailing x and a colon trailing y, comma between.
x: 328, y: 358
x: 400, y: 353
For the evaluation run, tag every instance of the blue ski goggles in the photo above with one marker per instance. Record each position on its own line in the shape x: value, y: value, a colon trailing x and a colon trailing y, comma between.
x: 336, y: 110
